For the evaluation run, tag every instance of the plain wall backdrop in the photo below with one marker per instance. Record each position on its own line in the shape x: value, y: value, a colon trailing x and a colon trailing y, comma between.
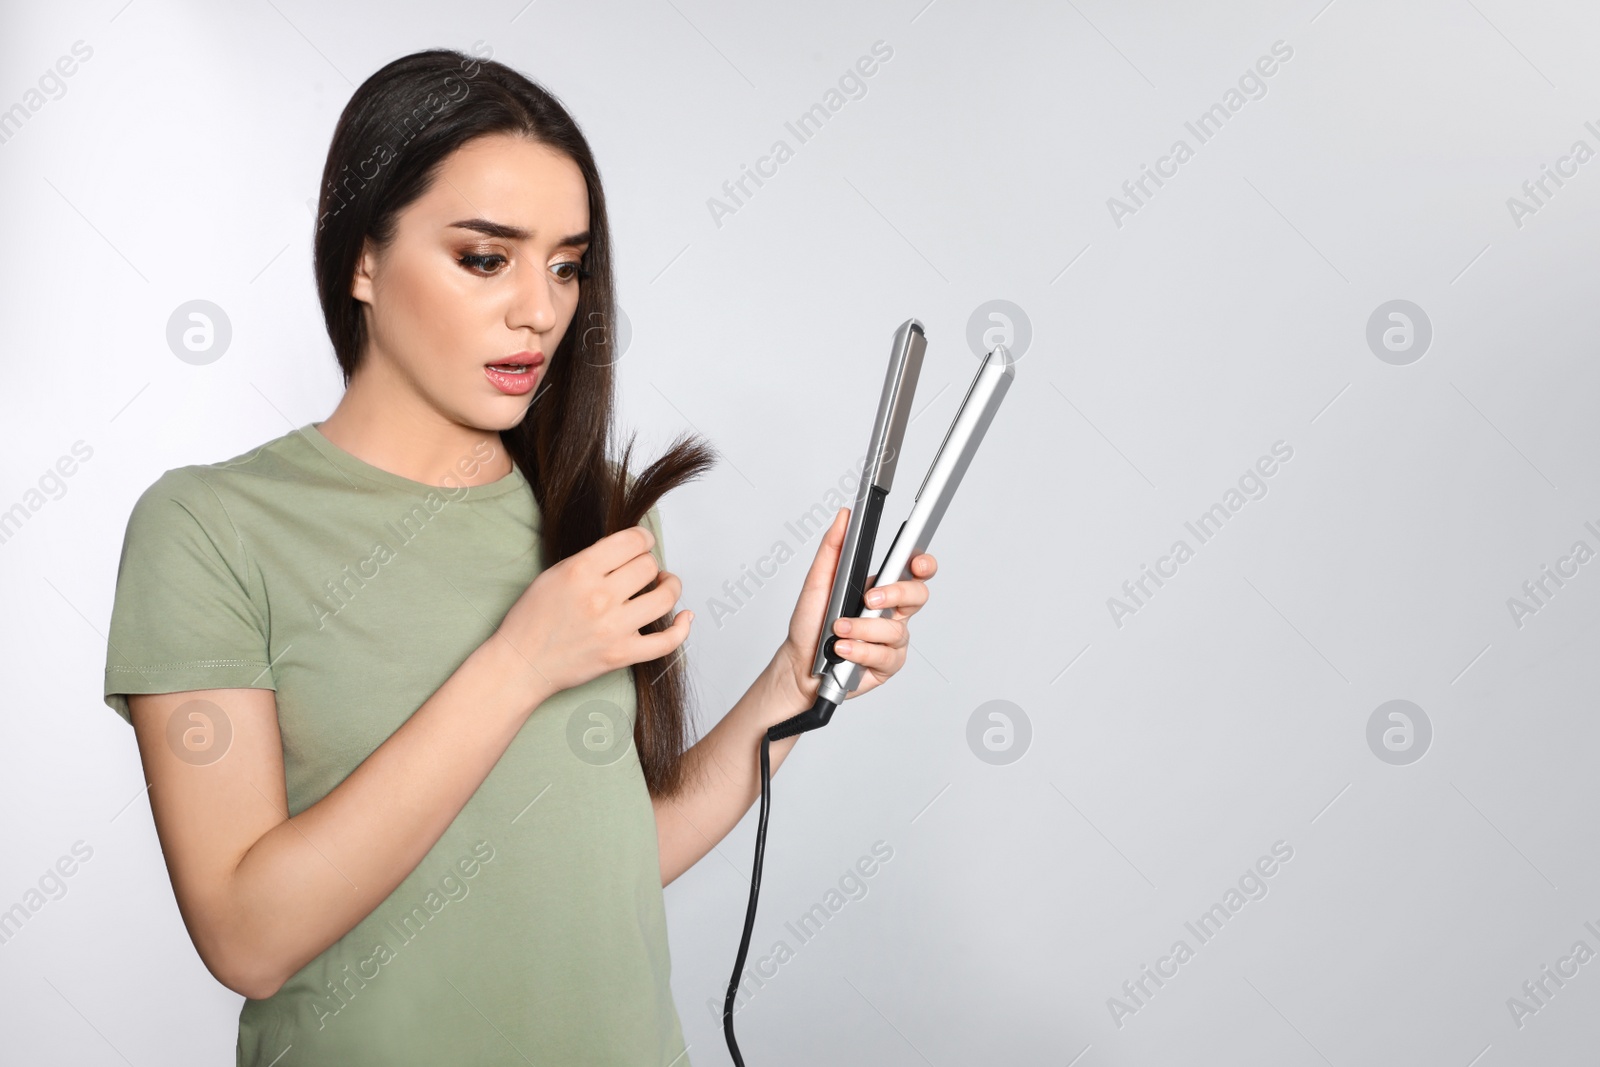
x: 1369, y: 269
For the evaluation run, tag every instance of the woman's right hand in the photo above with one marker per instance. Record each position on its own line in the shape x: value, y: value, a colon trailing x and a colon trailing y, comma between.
x: 581, y: 618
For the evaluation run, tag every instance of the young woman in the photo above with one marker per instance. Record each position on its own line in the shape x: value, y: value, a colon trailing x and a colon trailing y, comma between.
x: 406, y: 682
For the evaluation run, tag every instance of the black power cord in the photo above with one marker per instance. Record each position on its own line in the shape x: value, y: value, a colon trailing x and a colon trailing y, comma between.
x: 817, y: 715
x: 750, y: 909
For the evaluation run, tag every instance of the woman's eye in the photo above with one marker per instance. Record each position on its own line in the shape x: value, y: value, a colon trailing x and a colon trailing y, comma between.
x: 576, y: 271
x: 472, y: 261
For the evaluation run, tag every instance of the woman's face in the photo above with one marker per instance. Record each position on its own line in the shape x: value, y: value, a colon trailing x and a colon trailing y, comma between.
x: 483, y: 270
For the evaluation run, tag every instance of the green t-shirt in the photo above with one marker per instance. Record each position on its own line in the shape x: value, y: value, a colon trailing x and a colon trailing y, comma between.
x: 534, y: 929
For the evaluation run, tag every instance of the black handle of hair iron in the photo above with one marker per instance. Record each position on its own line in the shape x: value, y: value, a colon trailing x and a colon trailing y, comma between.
x: 840, y: 677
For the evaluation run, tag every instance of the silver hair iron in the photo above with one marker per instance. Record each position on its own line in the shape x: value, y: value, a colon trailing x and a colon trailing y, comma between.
x: 840, y: 677
x: 851, y: 579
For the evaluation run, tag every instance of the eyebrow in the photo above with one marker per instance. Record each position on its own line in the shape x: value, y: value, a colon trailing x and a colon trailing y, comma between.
x: 514, y: 233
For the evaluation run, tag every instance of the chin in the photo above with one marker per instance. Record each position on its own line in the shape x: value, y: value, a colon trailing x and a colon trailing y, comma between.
x: 489, y: 414
x: 505, y: 415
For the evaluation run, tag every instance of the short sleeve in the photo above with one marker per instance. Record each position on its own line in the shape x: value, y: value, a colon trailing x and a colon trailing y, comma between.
x: 189, y: 610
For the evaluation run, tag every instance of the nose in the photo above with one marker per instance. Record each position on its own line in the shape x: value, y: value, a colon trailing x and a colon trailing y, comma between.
x: 533, y: 304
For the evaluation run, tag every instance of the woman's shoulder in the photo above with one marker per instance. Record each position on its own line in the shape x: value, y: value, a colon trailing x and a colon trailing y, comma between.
x: 205, y: 489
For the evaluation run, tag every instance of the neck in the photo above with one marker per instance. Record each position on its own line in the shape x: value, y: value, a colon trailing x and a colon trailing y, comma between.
x: 389, y: 426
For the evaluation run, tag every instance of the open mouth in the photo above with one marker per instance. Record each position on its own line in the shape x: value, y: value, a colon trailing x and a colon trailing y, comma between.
x: 514, y: 377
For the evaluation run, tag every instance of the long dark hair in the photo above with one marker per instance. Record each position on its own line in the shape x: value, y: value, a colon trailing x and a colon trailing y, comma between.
x: 392, y: 136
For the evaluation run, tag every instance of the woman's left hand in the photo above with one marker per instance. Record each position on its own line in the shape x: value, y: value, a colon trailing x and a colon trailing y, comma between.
x: 878, y: 644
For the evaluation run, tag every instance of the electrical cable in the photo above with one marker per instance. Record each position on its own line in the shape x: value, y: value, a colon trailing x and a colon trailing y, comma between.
x: 750, y: 909
x: 816, y: 716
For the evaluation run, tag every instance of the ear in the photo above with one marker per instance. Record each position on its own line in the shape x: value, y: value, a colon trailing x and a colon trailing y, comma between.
x: 361, y: 283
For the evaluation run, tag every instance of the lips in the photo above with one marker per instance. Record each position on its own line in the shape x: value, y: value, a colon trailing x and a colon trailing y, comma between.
x: 514, y: 375
x: 519, y: 362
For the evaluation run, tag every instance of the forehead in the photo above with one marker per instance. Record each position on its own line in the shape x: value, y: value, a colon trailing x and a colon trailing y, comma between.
x: 511, y: 180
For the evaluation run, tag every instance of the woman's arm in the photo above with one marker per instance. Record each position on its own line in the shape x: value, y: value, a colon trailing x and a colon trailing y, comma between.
x: 262, y: 894
x: 722, y: 776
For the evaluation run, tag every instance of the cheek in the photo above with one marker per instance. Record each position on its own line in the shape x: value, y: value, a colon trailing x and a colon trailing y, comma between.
x: 427, y: 312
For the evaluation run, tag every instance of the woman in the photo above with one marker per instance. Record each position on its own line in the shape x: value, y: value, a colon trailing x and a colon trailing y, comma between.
x: 406, y: 682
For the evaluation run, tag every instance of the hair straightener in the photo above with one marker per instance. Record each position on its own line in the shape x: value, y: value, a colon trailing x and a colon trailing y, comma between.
x: 839, y: 676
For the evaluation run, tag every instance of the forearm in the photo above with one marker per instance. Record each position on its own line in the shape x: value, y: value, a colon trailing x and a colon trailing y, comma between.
x: 309, y: 881
x: 723, y: 773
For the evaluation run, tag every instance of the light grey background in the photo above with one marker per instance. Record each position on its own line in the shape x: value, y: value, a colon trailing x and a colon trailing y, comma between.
x: 1168, y: 353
